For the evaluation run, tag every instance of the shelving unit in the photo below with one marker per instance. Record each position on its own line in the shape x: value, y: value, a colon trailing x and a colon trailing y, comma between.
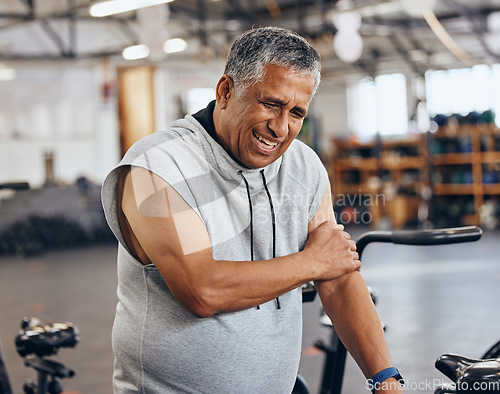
x: 385, y: 176
x: 472, y: 170
x: 458, y: 166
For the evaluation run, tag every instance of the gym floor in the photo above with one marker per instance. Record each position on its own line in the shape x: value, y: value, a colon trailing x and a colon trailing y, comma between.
x: 434, y: 300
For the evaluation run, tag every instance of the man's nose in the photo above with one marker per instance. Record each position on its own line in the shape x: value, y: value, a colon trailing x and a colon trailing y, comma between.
x: 279, y: 125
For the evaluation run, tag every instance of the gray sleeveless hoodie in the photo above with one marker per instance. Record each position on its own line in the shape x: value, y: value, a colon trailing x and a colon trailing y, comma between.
x: 249, y: 214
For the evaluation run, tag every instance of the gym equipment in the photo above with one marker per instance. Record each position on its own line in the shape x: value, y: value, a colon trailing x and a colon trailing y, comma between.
x: 469, y: 375
x: 35, y: 341
x: 469, y: 370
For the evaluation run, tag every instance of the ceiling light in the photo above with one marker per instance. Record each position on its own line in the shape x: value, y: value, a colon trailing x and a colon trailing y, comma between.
x: 348, y: 46
x: 493, y: 21
x: 135, y: 52
x: 347, y: 21
x: 174, y: 45
x: 111, y: 7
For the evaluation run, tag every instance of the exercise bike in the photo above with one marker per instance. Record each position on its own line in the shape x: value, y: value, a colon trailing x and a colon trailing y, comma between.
x: 466, y: 374
x: 35, y: 341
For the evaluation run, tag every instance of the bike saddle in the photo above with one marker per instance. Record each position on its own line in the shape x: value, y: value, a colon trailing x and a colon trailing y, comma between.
x: 452, y: 365
x: 471, y: 375
x: 44, y: 339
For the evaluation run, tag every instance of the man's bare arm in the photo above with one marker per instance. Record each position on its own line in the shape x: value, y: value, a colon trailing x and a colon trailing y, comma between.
x: 166, y: 232
x: 348, y: 304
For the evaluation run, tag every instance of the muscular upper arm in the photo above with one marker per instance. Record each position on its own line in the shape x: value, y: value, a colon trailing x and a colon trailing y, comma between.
x: 163, y: 230
x: 162, y: 222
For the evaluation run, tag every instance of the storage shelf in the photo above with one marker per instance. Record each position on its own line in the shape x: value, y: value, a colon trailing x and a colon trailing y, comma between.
x: 491, y: 189
x: 443, y: 189
x: 490, y: 157
x: 396, y: 161
x: 488, y: 129
x: 454, y: 158
x: 391, y: 144
x: 356, y: 163
x: 402, y: 163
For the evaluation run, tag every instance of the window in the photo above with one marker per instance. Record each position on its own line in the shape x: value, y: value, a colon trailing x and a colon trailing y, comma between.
x: 378, y: 106
x: 198, y: 98
x: 496, y: 92
x: 463, y: 90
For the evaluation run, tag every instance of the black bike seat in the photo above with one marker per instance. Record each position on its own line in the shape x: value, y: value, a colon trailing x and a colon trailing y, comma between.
x: 453, y: 365
x: 470, y: 375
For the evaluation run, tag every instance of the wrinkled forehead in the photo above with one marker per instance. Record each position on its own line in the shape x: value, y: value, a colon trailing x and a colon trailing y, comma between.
x: 288, y: 78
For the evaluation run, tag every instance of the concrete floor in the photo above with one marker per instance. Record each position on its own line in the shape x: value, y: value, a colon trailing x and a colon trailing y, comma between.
x: 434, y: 300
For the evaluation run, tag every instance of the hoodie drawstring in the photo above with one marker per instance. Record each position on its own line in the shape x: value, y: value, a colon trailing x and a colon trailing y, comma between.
x: 251, y: 216
x: 278, y: 304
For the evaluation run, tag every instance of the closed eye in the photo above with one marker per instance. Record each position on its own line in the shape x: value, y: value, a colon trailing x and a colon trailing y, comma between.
x: 296, y: 112
x: 271, y: 105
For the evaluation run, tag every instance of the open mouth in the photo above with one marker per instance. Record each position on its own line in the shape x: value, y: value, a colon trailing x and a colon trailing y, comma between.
x: 263, y: 142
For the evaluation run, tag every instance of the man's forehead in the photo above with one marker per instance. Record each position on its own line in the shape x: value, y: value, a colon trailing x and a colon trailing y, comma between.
x: 269, y: 93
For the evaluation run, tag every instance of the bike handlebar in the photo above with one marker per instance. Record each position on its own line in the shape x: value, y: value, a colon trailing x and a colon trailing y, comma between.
x: 421, y: 237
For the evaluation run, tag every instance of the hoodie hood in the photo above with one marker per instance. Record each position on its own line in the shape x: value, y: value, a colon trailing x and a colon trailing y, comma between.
x: 223, y: 163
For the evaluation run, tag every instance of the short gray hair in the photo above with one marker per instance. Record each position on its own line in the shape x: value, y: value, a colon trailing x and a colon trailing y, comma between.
x: 255, y: 49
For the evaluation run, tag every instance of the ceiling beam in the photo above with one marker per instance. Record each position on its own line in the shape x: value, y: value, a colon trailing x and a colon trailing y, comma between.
x: 55, y: 37
x: 476, y: 28
x: 202, y: 31
x: 72, y: 28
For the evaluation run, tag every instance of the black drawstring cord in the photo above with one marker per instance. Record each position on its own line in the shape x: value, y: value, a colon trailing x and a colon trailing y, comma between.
x: 251, y: 216
x: 278, y: 305
x: 273, y: 216
x: 251, y: 212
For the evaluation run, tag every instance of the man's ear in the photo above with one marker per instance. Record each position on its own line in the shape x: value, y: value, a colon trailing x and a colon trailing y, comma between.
x: 224, y: 90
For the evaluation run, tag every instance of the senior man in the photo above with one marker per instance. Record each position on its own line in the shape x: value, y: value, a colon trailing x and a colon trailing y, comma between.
x: 220, y: 220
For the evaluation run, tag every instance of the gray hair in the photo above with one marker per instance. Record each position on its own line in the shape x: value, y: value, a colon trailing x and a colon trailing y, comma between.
x: 255, y: 49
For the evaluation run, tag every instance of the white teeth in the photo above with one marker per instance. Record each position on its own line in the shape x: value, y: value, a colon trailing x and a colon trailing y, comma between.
x: 265, y: 141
